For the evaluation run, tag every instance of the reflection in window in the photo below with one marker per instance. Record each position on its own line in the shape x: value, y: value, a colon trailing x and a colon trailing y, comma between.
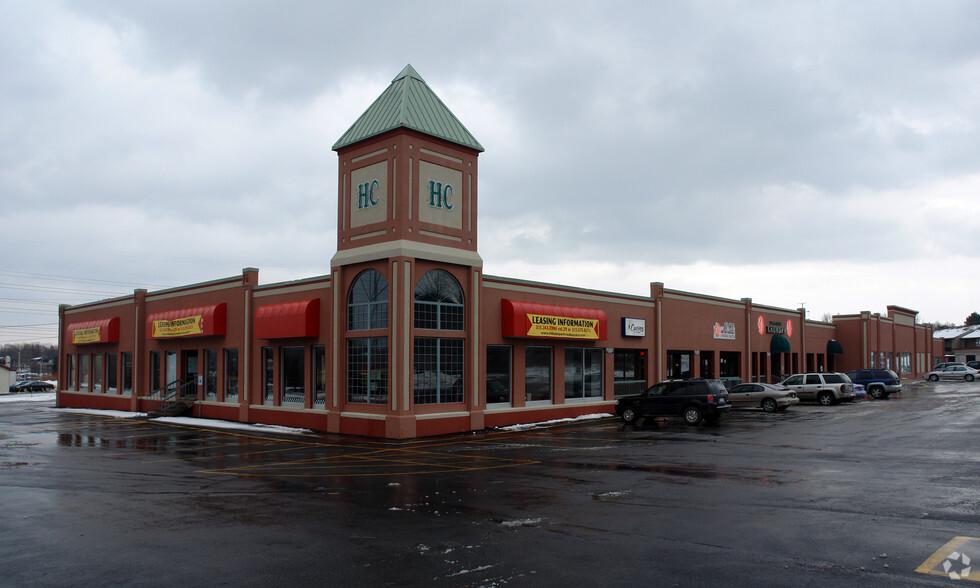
x: 438, y: 302
x: 268, y: 375
x: 231, y: 374
x: 537, y: 374
x: 629, y: 372
x: 367, y: 370
x: 498, y: 373
x: 319, y: 374
x: 210, y: 373
x: 583, y: 373
x: 293, y: 374
x: 438, y: 370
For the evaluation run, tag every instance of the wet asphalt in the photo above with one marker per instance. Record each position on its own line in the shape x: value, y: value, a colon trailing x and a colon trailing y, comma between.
x: 854, y: 495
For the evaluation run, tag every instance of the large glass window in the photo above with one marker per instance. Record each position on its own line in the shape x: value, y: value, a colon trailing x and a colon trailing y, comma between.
x: 729, y: 363
x: 537, y: 374
x: 629, y: 372
x: 210, y: 373
x: 319, y: 375
x: 231, y: 374
x: 498, y: 374
x: 111, y: 373
x: 367, y: 370
x: 127, y: 372
x: 268, y: 375
x: 438, y: 302
x: 367, y: 302
x: 438, y: 370
x: 293, y: 380
x: 679, y: 364
x: 97, y: 373
x: 71, y: 372
x: 583, y: 373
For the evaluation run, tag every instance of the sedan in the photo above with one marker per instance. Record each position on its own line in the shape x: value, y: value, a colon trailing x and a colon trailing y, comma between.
x: 33, y: 386
x: 770, y: 397
x: 953, y: 372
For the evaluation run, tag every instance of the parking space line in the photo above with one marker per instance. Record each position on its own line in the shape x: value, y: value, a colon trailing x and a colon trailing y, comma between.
x: 954, y: 560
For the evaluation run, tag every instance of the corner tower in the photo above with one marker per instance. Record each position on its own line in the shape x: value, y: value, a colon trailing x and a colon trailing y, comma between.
x: 407, y: 275
x: 407, y: 180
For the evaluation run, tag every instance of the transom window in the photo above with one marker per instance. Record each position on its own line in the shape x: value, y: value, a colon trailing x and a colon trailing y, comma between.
x: 438, y: 302
x: 367, y: 302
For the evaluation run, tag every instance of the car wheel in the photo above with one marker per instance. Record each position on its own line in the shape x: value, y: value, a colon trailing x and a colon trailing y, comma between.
x: 933, y: 378
x: 630, y: 414
x: 875, y: 392
x: 692, y: 415
x: 825, y: 398
x: 769, y: 405
x: 969, y: 377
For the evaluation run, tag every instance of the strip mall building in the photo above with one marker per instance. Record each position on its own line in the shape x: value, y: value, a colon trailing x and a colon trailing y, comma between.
x: 407, y: 337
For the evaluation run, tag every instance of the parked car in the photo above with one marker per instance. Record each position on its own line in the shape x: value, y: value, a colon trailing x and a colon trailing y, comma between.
x: 694, y: 400
x: 953, y: 372
x: 32, y: 386
x: 769, y: 397
x: 973, y: 364
x: 880, y: 384
x: 825, y: 387
x: 859, y: 392
x: 946, y: 364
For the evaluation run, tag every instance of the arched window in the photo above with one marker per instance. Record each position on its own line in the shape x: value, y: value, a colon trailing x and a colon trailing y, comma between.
x: 438, y: 377
x: 367, y: 357
x: 367, y: 302
x: 438, y: 302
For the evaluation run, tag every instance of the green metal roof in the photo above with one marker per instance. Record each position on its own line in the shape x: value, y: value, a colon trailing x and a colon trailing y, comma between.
x: 408, y: 102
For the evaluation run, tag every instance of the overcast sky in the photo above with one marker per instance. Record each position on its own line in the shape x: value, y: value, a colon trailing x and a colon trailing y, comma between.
x: 824, y: 154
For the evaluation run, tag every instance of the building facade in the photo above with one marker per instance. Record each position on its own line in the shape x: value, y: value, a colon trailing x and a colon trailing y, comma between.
x: 407, y: 337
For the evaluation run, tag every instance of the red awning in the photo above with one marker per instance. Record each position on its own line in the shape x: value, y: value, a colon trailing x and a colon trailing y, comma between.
x: 99, y: 331
x: 531, y: 319
x: 199, y: 321
x: 289, y: 319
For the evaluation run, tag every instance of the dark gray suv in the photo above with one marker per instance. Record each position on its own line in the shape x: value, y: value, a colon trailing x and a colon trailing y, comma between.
x: 694, y: 400
x: 880, y: 384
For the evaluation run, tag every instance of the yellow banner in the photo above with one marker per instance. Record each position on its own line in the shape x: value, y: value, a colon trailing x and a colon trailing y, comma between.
x: 182, y: 327
x: 91, y: 335
x: 562, y: 327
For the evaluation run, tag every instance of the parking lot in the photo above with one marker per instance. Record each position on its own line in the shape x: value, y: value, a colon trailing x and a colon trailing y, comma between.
x: 871, y: 493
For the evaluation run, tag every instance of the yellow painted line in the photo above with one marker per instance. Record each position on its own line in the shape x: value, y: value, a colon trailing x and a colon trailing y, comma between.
x: 961, y: 554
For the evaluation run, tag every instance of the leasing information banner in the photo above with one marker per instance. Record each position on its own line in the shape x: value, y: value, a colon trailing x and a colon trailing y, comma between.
x: 182, y: 327
x: 563, y: 327
x: 90, y: 335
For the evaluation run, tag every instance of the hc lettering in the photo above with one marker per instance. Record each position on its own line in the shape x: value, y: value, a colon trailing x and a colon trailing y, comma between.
x: 439, y: 195
x: 365, y: 194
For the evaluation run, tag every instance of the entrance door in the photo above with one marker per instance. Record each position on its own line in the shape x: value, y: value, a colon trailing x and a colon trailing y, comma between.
x: 170, y: 370
x: 190, y: 373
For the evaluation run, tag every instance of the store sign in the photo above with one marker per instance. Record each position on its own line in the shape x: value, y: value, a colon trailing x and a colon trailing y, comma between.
x: 634, y: 327
x: 562, y: 327
x: 775, y: 327
x: 91, y: 335
x: 724, y: 331
x: 181, y: 327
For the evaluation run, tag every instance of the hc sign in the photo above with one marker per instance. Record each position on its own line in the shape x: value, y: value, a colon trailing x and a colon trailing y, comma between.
x: 365, y: 194
x: 439, y: 195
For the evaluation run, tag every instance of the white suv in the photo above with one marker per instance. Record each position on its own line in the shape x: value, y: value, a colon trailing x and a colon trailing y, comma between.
x: 825, y: 387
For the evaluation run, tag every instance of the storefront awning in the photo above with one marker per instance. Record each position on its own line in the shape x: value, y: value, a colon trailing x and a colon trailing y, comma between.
x: 99, y: 331
x: 289, y: 319
x: 834, y: 347
x: 200, y: 321
x: 547, y: 321
x: 779, y: 344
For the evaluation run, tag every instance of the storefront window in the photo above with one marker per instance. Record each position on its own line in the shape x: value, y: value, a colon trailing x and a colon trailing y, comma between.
x: 83, y: 372
x: 707, y: 364
x: 210, y: 373
x: 367, y: 302
x: 154, y: 371
x: 71, y: 372
x: 231, y: 374
x: 537, y: 374
x: 438, y: 370
x: 729, y: 363
x: 111, y: 375
x: 319, y: 375
x: 583, y: 373
x: 438, y: 302
x: 498, y: 374
x: 127, y: 372
x: 268, y: 375
x: 367, y: 370
x: 629, y: 372
x: 293, y: 379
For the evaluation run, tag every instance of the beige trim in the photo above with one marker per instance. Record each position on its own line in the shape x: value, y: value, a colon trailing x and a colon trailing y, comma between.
x: 442, y: 155
x: 363, y: 415
x: 648, y: 303
x: 393, y: 319
x: 289, y: 290
x: 123, y: 302
x: 442, y: 415
x: 674, y: 295
x: 405, y: 343
x: 540, y: 407
x: 192, y: 291
x: 368, y: 235
x: 475, y: 339
x: 336, y: 337
x: 441, y: 236
x: 369, y: 155
x: 405, y: 248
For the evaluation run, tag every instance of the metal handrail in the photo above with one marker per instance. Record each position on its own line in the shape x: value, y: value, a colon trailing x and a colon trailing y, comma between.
x: 174, y: 393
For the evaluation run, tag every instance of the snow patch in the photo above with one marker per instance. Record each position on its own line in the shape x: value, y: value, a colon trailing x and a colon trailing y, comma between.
x: 584, y: 417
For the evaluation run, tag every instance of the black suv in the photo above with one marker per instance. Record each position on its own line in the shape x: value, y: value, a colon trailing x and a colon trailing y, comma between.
x: 879, y: 383
x: 694, y: 400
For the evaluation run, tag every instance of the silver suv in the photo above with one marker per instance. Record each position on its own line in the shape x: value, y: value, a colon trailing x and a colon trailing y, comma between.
x: 825, y: 387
